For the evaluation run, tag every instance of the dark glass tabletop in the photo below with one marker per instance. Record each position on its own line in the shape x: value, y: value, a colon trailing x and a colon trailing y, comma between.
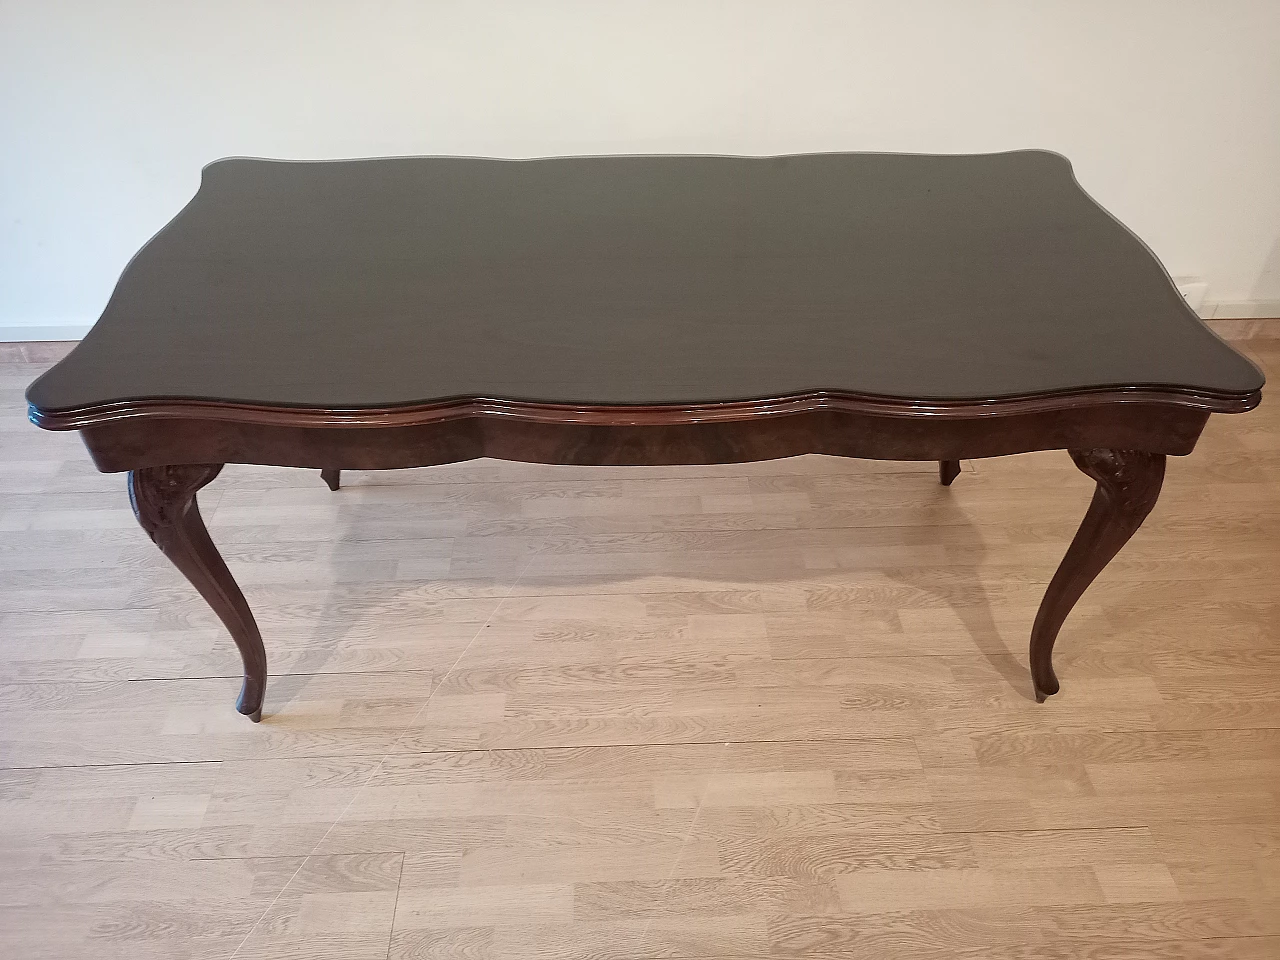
x: 640, y: 280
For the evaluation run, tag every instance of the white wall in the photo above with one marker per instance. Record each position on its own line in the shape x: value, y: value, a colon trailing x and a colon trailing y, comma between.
x: 1170, y: 109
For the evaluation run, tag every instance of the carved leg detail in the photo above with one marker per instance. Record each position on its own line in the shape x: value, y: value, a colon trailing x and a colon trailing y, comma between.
x: 948, y: 470
x: 331, y: 477
x: 1128, y: 485
x: 164, y: 501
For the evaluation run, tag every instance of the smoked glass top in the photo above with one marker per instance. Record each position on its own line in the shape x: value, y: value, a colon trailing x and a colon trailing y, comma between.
x: 640, y: 280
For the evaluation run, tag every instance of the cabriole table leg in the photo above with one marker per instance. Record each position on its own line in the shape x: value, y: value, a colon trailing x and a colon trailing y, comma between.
x: 1128, y: 486
x: 164, y: 501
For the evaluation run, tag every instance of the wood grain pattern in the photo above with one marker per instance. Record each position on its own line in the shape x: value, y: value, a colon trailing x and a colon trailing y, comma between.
x: 775, y: 710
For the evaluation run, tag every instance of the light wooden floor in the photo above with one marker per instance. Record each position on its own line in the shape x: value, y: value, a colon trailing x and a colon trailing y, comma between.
x: 774, y: 710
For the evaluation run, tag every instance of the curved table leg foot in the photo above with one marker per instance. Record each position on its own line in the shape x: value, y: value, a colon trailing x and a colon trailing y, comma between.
x: 164, y: 501
x: 948, y: 470
x: 332, y: 478
x: 1128, y: 486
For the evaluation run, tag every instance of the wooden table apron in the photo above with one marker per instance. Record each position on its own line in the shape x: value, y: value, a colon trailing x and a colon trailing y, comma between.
x: 171, y: 449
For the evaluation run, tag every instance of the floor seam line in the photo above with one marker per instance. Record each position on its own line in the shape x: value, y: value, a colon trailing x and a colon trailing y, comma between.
x: 644, y: 935
x: 395, y: 906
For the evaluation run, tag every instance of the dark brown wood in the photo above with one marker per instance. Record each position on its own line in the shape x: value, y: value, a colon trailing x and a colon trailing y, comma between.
x: 948, y: 470
x: 1128, y: 486
x: 127, y: 436
x: 332, y: 477
x: 164, y: 501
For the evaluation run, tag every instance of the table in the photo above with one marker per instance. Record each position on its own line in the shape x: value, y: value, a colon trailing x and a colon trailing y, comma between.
x: 404, y: 312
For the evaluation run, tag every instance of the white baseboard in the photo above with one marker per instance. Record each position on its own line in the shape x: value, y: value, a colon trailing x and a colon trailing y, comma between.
x: 28, y: 332
x: 1240, y: 310
x: 1245, y: 328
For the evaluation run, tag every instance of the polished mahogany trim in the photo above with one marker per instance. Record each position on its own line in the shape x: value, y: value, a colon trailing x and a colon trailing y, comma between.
x: 630, y: 415
x: 128, y: 443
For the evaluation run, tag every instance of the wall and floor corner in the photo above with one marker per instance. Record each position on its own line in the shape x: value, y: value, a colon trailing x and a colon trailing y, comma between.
x: 1167, y: 109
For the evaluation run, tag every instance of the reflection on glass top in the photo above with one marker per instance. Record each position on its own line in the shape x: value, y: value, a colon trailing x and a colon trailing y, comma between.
x: 640, y: 280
